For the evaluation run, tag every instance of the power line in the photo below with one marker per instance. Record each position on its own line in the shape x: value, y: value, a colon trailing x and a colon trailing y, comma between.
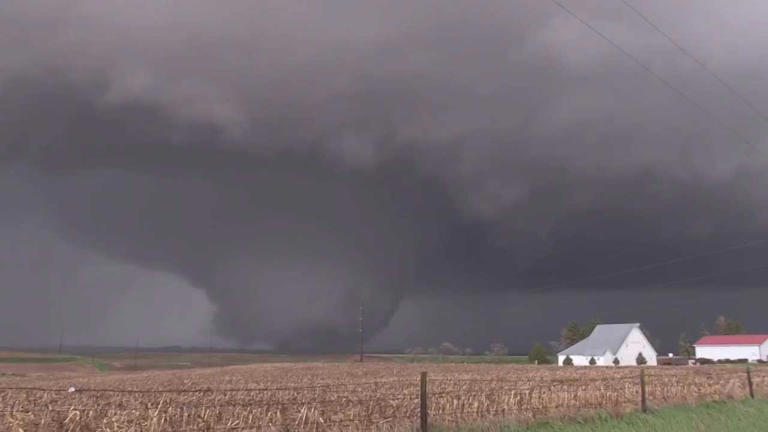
x: 658, y: 264
x: 704, y: 277
x: 688, y: 99
x: 699, y: 62
x: 695, y: 279
x: 643, y: 66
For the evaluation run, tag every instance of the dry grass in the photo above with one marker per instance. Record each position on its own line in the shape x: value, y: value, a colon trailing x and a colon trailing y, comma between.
x: 347, y: 397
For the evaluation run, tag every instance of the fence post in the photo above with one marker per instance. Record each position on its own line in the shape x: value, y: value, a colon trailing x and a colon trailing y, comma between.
x: 643, y: 402
x: 423, y: 401
x: 749, y: 381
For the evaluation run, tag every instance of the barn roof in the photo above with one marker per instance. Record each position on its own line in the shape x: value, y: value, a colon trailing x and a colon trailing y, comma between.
x: 742, y: 339
x: 603, y: 338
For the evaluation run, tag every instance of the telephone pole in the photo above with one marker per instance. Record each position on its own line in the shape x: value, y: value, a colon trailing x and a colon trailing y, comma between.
x: 136, y: 355
x: 361, y: 332
x: 210, y: 345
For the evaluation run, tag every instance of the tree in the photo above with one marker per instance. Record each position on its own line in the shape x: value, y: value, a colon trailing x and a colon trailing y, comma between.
x: 554, y: 346
x: 592, y: 361
x: 640, y: 360
x: 570, y: 334
x: 589, y: 327
x: 616, y: 361
x: 723, y: 326
x: 538, y: 355
x: 575, y: 332
x: 567, y: 361
x: 447, y: 348
x: 733, y: 327
x: 684, y: 346
x: 497, y: 349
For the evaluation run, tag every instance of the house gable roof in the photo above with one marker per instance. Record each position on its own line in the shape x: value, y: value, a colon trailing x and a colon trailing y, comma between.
x: 742, y: 339
x: 605, y: 337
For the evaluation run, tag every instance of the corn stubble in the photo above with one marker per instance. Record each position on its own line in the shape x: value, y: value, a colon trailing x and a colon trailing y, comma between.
x: 347, y: 397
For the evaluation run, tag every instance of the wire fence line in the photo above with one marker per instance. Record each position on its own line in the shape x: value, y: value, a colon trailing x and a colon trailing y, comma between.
x: 369, y: 405
x: 295, y: 388
x: 542, y: 381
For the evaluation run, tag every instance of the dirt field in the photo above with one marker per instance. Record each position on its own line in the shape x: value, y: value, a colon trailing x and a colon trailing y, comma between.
x: 346, y: 396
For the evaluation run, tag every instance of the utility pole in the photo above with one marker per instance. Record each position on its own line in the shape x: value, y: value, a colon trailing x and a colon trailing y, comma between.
x: 210, y: 345
x: 361, y: 332
x: 61, y: 342
x: 423, y: 414
x: 643, y: 398
x: 136, y: 355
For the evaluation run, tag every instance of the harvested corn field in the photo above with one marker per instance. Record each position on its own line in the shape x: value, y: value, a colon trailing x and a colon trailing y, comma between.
x: 348, y: 397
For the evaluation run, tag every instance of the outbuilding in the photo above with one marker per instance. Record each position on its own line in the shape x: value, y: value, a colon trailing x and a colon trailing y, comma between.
x: 608, y: 342
x: 752, y: 347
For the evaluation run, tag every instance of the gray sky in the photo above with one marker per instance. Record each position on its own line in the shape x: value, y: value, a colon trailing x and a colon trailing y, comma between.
x: 169, y: 168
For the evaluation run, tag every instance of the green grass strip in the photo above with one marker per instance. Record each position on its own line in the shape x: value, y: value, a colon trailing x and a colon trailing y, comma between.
x: 741, y: 416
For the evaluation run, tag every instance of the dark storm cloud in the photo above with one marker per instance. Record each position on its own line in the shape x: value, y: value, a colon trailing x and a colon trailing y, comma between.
x: 280, y: 243
x: 289, y: 158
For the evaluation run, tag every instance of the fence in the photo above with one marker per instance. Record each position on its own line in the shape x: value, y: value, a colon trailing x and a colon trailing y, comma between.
x: 399, y: 404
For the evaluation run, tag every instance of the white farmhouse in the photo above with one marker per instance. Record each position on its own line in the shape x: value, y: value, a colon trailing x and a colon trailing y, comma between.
x: 609, y: 341
x: 752, y: 347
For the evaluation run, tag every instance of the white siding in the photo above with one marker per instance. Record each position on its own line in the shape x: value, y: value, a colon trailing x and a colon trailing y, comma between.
x: 764, y: 351
x: 732, y: 352
x: 636, y: 343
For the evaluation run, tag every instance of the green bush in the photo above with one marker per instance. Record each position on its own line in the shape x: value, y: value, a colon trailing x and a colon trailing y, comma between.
x: 567, y: 361
x: 704, y: 361
x: 592, y: 361
x: 538, y: 355
x: 641, y: 359
x: 616, y: 361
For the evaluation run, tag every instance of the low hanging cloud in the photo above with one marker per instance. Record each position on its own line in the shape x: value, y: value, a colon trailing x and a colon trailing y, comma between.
x: 292, y: 160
